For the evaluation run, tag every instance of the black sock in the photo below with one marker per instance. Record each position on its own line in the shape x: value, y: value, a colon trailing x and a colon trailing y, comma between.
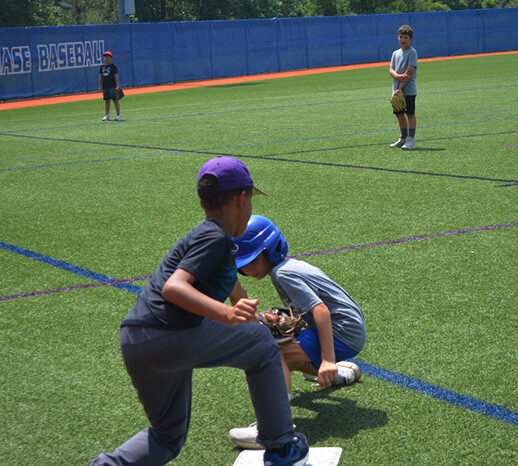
x: 404, y: 133
x: 411, y: 132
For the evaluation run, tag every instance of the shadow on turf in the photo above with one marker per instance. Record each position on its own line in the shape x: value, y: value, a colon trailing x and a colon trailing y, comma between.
x: 427, y: 149
x: 336, y: 416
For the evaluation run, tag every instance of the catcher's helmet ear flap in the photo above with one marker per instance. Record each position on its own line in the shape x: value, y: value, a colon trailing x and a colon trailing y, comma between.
x: 261, y: 235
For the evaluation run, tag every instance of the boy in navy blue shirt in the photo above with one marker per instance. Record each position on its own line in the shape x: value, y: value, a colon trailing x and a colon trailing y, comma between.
x: 180, y: 323
x: 108, y: 84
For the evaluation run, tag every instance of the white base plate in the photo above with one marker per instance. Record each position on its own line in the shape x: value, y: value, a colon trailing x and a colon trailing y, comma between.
x: 322, y: 456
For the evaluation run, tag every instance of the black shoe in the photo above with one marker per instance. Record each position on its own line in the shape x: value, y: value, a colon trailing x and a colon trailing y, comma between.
x: 296, y: 453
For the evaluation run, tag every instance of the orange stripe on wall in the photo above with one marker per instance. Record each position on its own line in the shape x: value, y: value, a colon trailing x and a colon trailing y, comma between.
x: 219, y: 82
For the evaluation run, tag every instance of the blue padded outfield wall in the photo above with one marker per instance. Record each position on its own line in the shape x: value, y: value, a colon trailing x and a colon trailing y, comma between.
x: 44, y: 61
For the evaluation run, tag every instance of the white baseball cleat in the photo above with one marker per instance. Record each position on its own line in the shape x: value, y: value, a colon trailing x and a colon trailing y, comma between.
x: 244, y: 437
x: 106, y: 117
x: 118, y: 118
x: 409, y: 144
x: 398, y: 144
x: 313, y: 378
x: 348, y: 373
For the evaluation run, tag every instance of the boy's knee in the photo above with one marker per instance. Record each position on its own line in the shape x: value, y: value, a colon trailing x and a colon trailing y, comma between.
x: 265, y: 342
x: 259, y: 332
x: 170, y: 440
x: 265, y: 331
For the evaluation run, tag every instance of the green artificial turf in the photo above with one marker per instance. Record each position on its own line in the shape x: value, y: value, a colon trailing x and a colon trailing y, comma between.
x: 112, y: 198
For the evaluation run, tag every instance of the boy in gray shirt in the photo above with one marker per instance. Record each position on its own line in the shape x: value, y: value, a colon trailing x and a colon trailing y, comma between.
x: 403, y: 68
x: 336, y: 323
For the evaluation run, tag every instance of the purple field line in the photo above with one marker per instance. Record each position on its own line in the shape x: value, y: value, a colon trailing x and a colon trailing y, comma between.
x: 70, y: 288
x: 404, y: 240
x: 57, y: 155
x: 305, y: 254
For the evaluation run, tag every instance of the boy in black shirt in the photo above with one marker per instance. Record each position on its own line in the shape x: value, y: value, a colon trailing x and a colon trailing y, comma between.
x: 108, y: 83
x: 180, y: 322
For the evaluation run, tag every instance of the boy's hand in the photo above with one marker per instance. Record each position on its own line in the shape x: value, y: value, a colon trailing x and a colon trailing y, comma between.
x: 243, y: 311
x: 283, y: 323
x: 327, y: 373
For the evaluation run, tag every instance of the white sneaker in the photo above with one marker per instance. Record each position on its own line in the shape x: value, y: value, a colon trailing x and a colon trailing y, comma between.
x: 244, y: 437
x: 118, y: 118
x: 348, y: 373
x: 409, y: 144
x: 398, y: 144
x: 106, y: 117
x: 313, y: 378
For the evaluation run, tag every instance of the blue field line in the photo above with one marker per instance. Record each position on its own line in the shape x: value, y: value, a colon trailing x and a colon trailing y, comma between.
x: 443, y: 394
x: 209, y: 149
x: 69, y: 267
x: 438, y: 393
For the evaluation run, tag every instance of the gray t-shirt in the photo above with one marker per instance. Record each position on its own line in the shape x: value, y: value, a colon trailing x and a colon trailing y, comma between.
x: 401, y: 60
x: 302, y: 286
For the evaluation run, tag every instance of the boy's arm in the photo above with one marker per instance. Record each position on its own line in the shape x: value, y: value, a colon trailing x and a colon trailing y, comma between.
x: 116, y: 76
x: 407, y: 75
x: 393, y: 73
x: 328, y: 370
x: 403, y: 78
x: 100, y: 81
x: 179, y: 290
x: 237, y: 293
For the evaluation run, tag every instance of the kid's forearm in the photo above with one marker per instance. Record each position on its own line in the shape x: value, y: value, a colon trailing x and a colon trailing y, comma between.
x: 184, y: 295
x: 407, y: 75
x: 237, y: 293
x: 322, y: 319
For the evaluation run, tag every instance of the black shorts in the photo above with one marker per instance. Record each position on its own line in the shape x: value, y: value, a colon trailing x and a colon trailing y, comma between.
x: 109, y: 93
x: 410, y: 105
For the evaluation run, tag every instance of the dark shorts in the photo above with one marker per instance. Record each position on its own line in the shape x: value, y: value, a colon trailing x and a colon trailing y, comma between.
x: 109, y: 93
x: 410, y: 105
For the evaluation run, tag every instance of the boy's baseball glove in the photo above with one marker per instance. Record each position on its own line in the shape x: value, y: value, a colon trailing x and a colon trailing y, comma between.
x: 398, y: 101
x: 283, y: 323
x: 119, y: 93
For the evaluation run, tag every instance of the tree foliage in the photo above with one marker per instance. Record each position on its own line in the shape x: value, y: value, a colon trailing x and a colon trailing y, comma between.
x: 68, y: 12
x: 23, y: 13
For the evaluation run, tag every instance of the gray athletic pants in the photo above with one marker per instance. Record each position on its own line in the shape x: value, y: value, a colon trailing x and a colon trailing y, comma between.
x: 160, y: 364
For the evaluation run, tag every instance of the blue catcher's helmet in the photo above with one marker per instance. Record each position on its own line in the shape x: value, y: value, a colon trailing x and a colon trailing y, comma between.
x: 261, y: 235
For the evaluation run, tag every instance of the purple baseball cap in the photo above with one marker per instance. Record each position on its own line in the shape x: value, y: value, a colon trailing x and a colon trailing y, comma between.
x: 230, y: 173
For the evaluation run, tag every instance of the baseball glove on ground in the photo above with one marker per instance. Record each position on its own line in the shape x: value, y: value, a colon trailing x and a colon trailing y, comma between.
x: 119, y: 93
x: 283, y: 323
x: 398, y: 101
